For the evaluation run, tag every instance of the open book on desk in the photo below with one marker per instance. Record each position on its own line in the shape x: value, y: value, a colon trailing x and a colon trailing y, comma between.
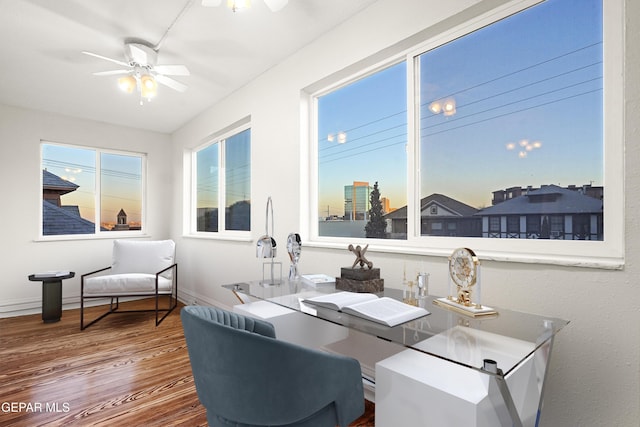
x: 385, y: 310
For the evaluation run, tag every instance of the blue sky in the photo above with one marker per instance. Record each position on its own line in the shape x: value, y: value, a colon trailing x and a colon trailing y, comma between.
x: 535, y: 77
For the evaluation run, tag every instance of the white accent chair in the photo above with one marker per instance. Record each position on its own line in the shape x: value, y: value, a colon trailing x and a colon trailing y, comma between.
x: 138, y: 269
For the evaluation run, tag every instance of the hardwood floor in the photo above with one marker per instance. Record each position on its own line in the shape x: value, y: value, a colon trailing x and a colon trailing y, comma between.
x: 122, y: 371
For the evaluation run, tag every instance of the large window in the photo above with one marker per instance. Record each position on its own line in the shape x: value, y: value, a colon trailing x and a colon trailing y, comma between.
x: 361, y: 140
x: 223, y: 179
x: 517, y: 109
x: 91, y: 191
x: 492, y: 130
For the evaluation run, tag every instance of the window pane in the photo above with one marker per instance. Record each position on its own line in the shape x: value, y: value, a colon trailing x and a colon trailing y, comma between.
x: 511, y: 125
x: 238, y: 181
x: 120, y: 192
x: 362, y: 138
x: 68, y: 190
x: 207, y: 188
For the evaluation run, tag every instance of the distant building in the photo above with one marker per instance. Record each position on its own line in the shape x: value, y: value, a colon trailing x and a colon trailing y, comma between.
x: 439, y: 216
x: 59, y: 219
x: 549, y: 212
x: 386, y: 205
x: 207, y: 219
x: 121, y: 223
x: 53, y: 187
x: 356, y: 201
x: 500, y: 196
x: 237, y: 217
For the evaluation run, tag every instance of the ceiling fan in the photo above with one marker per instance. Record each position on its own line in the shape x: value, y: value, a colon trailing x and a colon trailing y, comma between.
x: 235, y: 5
x: 141, y: 70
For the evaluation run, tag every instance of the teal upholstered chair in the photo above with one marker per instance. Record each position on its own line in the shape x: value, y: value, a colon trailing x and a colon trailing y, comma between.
x: 244, y: 376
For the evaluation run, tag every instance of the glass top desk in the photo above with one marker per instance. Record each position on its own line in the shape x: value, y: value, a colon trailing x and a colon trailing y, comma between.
x: 495, y: 345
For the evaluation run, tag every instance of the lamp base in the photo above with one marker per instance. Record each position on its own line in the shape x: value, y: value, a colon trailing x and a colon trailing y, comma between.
x: 271, y: 278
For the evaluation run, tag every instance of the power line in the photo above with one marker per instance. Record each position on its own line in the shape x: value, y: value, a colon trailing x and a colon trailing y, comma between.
x: 432, y: 115
x: 516, y: 111
x: 564, y: 55
x: 454, y: 128
x: 512, y: 103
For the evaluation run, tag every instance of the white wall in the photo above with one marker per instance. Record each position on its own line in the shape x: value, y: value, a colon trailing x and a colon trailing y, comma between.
x: 595, y: 368
x: 20, y: 134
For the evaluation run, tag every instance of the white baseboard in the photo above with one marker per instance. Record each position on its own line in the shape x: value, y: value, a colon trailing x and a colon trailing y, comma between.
x: 27, y: 306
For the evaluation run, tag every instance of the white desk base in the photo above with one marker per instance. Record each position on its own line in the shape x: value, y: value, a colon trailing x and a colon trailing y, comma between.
x: 412, y: 388
x: 415, y: 389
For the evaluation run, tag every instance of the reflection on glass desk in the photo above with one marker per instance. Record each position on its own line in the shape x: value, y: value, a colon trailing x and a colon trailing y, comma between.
x: 507, y: 338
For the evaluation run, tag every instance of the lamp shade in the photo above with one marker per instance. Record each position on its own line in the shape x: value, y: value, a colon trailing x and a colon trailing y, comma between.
x: 266, y: 246
x: 127, y: 83
x: 148, y: 86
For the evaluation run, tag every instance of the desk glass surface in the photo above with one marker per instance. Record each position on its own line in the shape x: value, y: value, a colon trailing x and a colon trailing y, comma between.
x: 508, y: 338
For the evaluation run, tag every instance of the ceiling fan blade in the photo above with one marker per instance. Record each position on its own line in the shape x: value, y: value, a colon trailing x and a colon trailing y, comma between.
x: 172, y: 70
x: 211, y: 3
x: 115, y: 61
x: 111, y: 73
x: 173, y: 84
x: 276, y: 5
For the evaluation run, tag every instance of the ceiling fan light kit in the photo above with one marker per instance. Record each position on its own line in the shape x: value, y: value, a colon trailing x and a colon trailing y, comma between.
x: 127, y: 83
x: 142, y: 73
x: 148, y: 86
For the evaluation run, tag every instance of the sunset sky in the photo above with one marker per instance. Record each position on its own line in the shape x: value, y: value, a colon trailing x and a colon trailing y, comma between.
x: 528, y: 111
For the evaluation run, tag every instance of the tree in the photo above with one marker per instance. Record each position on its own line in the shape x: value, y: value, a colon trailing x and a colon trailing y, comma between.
x: 376, y: 226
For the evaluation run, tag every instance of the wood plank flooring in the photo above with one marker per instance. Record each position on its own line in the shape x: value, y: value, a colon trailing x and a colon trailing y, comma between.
x: 122, y: 371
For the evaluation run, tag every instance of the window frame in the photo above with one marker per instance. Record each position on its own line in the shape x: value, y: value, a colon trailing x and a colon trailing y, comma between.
x: 606, y: 254
x: 191, y: 225
x: 97, y: 234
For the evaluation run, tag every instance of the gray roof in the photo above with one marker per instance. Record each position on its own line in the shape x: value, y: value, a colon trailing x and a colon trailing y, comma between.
x: 549, y: 199
x: 60, y: 220
x: 451, y: 204
x: 54, y: 182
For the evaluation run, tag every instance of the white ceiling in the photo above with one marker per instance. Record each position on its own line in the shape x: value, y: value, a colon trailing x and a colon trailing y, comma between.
x: 42, y: 67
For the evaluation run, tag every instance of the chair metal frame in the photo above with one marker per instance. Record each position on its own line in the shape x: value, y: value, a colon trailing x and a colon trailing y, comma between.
x: 114, y: 308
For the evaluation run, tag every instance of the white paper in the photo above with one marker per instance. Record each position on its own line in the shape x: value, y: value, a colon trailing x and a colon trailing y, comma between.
x: 387, y: 311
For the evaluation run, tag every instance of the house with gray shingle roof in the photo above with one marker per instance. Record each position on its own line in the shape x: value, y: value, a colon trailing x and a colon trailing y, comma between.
x: 53, y: 187
x: 440, y: 216
x: 549, y: 212
x: 59, y: 219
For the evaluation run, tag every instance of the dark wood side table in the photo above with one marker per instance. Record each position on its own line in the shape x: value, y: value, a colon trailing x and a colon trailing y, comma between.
x: 51, y: 294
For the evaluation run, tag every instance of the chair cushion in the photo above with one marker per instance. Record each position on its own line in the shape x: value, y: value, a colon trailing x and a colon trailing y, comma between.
x: 130, y: 284
x: 139, y: 256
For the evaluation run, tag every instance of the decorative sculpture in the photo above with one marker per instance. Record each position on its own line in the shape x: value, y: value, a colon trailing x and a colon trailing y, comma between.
x: 360, y: 258
x: 294, y: 248
x: 266, y: 248
x: 360, y: 279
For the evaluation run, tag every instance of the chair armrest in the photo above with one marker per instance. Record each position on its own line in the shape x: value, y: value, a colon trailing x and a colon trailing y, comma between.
x: 174, y: 265
x: 94, y: 272
x: 89, y: 274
